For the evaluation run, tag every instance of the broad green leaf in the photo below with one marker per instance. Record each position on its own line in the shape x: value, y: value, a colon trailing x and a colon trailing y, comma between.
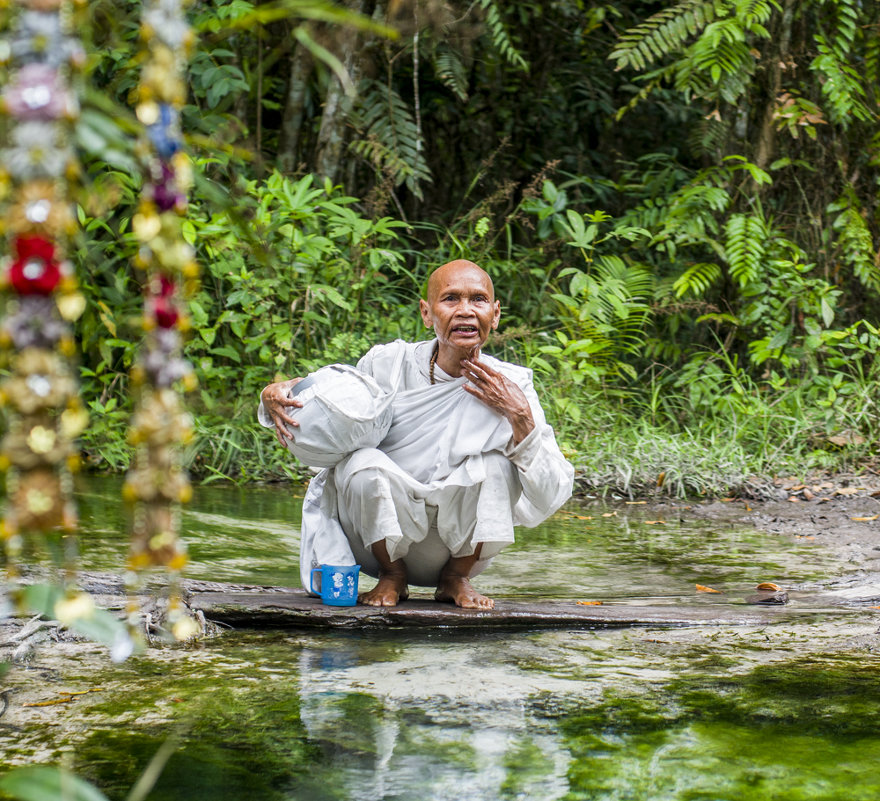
x: 47, y: 783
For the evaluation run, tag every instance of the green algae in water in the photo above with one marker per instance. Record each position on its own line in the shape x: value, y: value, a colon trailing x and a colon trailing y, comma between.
x: 330, y: 717
x: 800, y: 732
x: 434, y: 716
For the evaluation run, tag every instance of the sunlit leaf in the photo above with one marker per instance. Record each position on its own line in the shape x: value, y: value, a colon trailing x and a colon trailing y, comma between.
x: 46, y: 783
x: 52, y: 701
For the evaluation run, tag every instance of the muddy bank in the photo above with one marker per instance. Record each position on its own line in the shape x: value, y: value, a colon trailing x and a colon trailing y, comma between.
x: 841, y: 513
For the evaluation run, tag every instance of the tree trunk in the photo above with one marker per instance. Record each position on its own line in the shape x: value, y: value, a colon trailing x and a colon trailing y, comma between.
x: 767, y: 134
x: 294, y: 108
x: 337, y: 105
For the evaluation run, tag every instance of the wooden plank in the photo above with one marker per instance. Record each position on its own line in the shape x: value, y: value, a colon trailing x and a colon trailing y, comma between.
x: 292, y: 608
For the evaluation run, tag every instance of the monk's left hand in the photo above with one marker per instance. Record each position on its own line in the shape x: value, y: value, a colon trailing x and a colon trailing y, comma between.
x: 498, y: 392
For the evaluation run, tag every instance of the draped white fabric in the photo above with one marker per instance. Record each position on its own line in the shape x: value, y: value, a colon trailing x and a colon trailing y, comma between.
x: 438, y: 439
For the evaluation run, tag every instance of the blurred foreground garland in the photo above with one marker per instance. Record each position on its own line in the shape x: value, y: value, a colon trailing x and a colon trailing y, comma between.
x: 39, y: 61
x: 157, y: 483
x: 40, y: 58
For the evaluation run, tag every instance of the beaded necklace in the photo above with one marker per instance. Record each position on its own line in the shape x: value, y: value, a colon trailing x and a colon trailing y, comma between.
x: 433, y: 362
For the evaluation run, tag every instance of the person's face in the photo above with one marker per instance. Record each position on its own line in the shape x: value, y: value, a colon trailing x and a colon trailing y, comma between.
x: 461, y: 307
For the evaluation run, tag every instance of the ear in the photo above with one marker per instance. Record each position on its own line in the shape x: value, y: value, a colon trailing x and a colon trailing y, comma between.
x: 497, y: 315
x: 425, y: 309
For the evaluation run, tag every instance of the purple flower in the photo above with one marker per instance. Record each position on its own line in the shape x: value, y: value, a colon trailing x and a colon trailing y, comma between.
x: 38, y: 93
x: 165, y: 192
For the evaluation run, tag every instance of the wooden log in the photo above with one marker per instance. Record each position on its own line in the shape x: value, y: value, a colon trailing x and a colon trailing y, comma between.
x: 249, y: 606
x: 293, y: 608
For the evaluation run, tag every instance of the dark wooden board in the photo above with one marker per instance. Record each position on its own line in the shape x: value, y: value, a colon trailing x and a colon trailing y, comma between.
x: 292, y: 608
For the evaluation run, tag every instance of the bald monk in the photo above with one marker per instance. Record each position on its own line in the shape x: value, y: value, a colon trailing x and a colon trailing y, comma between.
x: 469, y: 455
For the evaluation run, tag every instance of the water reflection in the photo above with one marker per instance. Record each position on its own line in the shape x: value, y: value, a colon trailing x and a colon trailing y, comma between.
x: 446, y: 717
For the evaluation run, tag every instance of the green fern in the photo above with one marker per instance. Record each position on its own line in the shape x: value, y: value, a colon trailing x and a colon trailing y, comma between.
x: 500, y: 38
x: 663, y: 33
x: 712, y: 44
x: 842, y: 86
x: 389, y: 137
x: 872, y: 59
x: 708, y: 137
x: 855, y: 242
x: 697, y: 279
x: 450, y: 69
x: 744, y: 246
x: 605, y: 310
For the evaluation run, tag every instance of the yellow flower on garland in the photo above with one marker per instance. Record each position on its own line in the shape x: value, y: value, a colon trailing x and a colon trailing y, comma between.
x: 39, y: 209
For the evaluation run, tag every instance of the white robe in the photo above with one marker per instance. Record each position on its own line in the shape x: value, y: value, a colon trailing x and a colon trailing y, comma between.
x: 439, y: 438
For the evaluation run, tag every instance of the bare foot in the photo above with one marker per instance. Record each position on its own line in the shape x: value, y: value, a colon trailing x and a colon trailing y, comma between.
x: 390, y: 590
x: 458, y: 589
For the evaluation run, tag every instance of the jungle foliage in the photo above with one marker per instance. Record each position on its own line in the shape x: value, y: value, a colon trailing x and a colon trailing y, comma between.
x: 678, y: 203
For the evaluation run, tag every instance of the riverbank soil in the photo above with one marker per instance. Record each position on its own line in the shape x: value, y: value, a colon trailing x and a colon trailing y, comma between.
x: 841, y: 513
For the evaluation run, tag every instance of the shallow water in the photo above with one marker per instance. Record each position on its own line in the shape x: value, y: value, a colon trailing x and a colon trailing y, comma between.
x: 740, y: 713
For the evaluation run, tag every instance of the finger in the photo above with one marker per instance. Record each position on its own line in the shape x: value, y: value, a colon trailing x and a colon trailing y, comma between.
x: 281, y: 420
x: 478, y: 375
x: 474, y: 367
x: 475, y: 391
x: 482, y: 367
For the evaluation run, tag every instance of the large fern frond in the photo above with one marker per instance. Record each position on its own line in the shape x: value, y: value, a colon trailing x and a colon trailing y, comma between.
x: 708, y: 137
x: 500, y: 37
x: 450, y: 69
x: 389, y: 136
x: 855, y: 243
x: 662, y: 34
x: 745, y: 246
x: 841, y: 87
x: 842, y: 82
x: 872, y: 58
x: 711, y: 44
x: 697, y: 279
x: 613, y: 301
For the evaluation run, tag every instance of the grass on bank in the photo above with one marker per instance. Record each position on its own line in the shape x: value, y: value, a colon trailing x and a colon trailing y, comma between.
x: 646, y: 443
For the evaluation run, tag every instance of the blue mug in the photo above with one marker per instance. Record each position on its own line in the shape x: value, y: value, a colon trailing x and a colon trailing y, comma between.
x: 339, y: 584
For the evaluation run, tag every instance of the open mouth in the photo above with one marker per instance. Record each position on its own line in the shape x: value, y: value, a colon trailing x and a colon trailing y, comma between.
x: 465, y: 330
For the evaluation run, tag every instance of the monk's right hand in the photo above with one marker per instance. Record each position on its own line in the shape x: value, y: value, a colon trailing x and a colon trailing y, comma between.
x: 276, y: 403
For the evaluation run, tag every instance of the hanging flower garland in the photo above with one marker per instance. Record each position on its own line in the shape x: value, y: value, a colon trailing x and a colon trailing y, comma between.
x: 157, y: 483
x: 39, y: 59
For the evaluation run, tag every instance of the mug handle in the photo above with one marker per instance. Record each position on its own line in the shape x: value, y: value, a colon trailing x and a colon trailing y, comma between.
x: 312, y: 580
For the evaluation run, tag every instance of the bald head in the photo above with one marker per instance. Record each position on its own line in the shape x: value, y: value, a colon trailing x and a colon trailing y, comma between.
x: 454, y: 271
x: 462, y: 310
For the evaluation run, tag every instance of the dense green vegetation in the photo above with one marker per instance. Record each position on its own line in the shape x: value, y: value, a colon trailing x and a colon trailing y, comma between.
x: 677, y: 202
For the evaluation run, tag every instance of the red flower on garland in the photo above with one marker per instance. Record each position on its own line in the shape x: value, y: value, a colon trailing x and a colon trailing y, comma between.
x: 165, y: 312
x: 166, y: 286
x: 35, y: 271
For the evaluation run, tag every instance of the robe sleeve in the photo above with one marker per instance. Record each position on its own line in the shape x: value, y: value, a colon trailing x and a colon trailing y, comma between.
x: 547, y: 478
x: 263, y: 415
